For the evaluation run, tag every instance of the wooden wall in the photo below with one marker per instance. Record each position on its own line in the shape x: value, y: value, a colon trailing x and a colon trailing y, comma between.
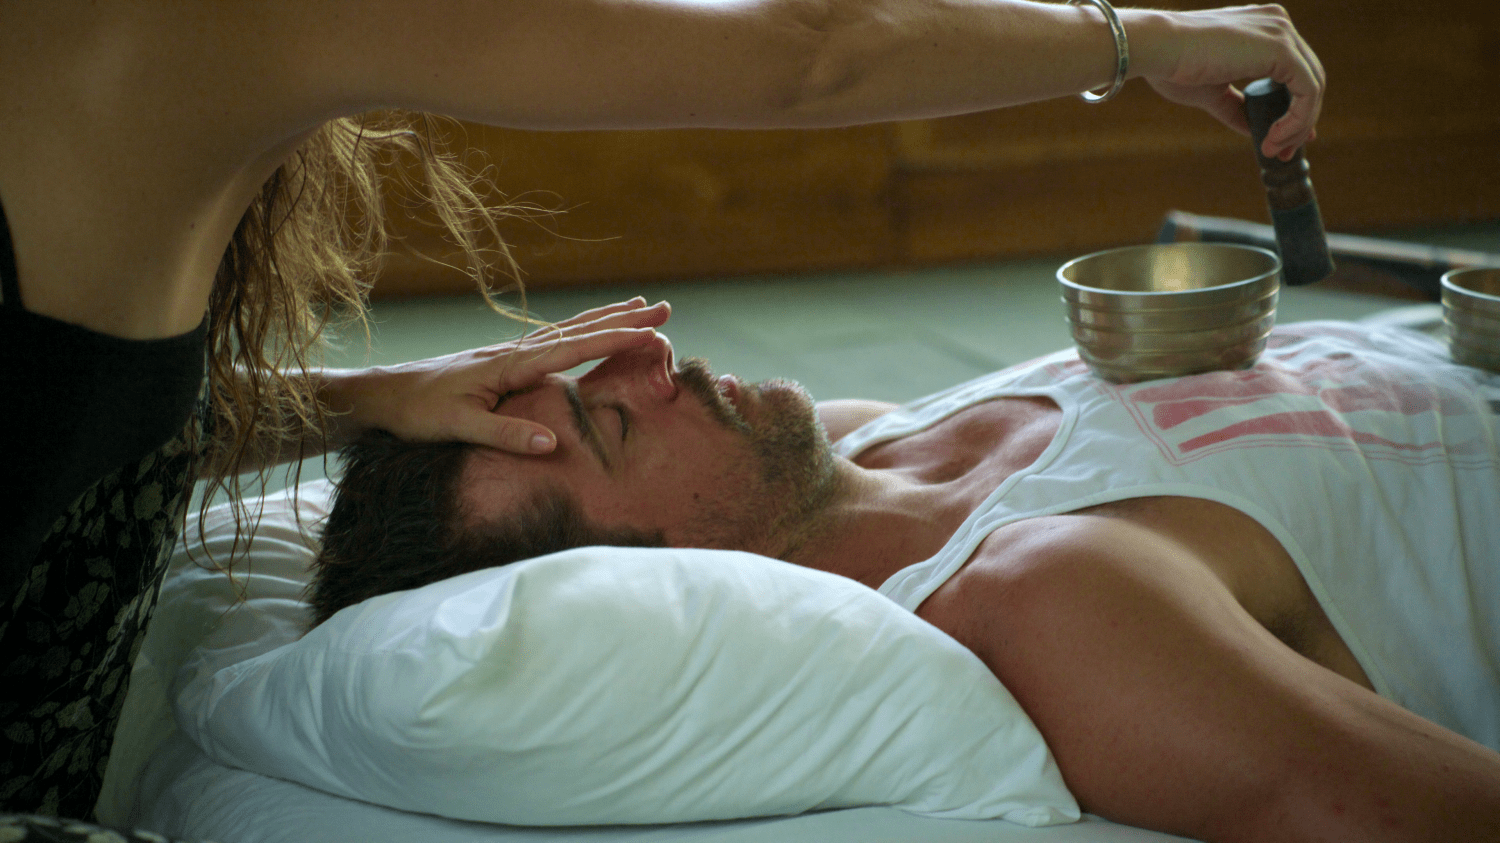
x: 1410, y: 135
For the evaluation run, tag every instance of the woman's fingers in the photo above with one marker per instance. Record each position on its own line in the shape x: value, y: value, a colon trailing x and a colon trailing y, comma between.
x: 1196, y: 58
x: 562, y: 353
x: 604, y: 310
x: 653, y: 316
x: 454, y: 397
x: 520, y: 436
x: 590, y: 335
x: 625, y: 315
x: 506, y: 433
x: 1296, y: 128
x: 1224, y: 102
x: 633, y: 313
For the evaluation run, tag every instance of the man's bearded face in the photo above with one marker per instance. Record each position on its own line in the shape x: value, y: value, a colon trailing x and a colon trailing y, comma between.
x: 707, y: 461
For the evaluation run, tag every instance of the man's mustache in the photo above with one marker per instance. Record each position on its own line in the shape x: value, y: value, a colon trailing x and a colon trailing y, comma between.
x: 695, y: 375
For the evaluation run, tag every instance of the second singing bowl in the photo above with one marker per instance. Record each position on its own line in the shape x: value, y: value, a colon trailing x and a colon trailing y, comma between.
x: 1144, y: 312
x: 1471, y: 311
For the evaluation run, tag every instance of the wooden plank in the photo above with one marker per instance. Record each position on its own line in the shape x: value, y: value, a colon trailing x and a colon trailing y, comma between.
x: 1077, y: 206
x: 640, y: 205
x: 1408, y: 137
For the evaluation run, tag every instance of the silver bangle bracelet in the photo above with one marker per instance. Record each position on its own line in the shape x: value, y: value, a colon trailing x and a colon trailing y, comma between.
x: 1122, y: 50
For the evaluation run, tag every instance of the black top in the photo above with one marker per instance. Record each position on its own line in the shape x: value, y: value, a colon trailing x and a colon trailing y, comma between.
x: 77, y: 405
x: 101, y: 439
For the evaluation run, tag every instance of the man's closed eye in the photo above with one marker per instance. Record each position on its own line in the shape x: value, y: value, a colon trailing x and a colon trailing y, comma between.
x: 588, y: 431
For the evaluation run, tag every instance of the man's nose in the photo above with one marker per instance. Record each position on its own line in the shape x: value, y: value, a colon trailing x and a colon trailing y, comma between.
x: 647, y: 372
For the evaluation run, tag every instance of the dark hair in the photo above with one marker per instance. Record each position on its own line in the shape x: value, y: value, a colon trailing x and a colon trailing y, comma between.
x: 397, y: 524
x: 300, y: 261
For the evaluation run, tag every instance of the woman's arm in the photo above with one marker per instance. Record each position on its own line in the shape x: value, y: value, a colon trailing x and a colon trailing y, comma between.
x: 575, y: 64
x: 1167, y: 706
x: 144, y: 128
x: 262, y: 73
x: 789, y: 63
x: 453, y: 397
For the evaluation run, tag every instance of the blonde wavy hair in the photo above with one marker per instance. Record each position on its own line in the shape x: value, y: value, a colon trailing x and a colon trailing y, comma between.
x: 302, y: 260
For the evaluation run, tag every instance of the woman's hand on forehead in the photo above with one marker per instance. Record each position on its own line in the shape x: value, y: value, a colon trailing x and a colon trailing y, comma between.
x: 459, y: 396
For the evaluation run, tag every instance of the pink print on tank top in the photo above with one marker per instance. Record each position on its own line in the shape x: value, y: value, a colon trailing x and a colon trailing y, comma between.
x: 1296, y: 396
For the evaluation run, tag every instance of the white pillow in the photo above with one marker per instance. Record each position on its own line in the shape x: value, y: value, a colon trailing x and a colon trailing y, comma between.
x: 259, y: 610
x: 610, y: 685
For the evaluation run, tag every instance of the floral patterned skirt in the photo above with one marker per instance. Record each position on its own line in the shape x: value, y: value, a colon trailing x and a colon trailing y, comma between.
x: 71, y: 630
x: 18, y: 828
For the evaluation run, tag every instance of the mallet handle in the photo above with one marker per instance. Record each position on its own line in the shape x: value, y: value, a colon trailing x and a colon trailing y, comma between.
x: 1289, y: 192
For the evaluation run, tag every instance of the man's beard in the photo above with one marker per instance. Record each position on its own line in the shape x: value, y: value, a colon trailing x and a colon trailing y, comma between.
x: 794, y: 460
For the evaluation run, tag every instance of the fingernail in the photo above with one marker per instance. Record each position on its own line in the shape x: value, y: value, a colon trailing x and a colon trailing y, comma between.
x: 541, y: 443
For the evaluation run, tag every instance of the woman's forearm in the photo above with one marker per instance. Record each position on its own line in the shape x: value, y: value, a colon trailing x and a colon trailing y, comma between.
x: 901, y: 60
x: 327, y: 427
x: 905, y: 60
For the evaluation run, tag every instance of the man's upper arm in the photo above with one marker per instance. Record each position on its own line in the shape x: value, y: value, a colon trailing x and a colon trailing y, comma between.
x: 1167, y: 706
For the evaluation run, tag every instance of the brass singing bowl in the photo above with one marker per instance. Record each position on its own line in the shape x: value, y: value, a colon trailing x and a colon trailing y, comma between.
x: 1144, y: 312
x: 1471, y: 311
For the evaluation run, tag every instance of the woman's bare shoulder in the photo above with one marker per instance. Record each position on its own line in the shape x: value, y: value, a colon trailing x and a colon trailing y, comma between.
x: 133, y: 135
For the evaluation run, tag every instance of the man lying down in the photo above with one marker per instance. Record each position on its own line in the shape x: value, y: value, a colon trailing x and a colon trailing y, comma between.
x: 1252, y: 605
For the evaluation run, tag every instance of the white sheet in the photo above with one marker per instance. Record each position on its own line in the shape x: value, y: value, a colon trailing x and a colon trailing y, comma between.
x: 186, y: 795
x: 159, y: 780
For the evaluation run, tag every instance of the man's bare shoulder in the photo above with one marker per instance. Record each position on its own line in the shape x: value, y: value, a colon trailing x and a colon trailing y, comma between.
x: 1167, y: 705
x: 1071, y: 552
x: 843, y: 416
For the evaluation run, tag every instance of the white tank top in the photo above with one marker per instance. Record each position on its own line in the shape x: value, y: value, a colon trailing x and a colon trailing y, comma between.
x: 1367, y: 453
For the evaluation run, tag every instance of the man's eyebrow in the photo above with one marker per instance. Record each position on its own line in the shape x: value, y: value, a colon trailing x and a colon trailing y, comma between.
x: 586, y: 429
x: 514, y: 393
